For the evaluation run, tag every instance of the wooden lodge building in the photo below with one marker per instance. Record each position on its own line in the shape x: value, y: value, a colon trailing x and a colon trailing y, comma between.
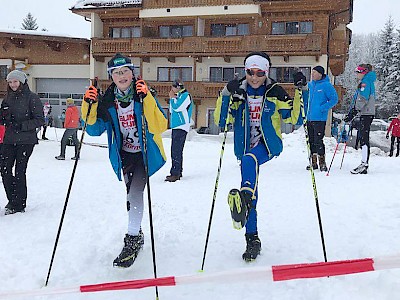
x: 203, y: 42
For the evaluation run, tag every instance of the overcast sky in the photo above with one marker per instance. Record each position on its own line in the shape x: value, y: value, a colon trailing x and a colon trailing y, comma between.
x: 54, y: 15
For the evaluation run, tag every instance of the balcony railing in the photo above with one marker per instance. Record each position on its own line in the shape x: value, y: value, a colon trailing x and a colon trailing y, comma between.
x: 307, y: 44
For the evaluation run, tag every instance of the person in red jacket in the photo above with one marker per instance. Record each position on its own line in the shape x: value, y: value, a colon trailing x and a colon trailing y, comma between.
x: 71, y: 129
x: 395, y: 128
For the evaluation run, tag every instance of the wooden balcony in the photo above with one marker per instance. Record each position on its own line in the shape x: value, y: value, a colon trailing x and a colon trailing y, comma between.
x: 307, y: 44
x: 190, y: 3
x: 205, y: 89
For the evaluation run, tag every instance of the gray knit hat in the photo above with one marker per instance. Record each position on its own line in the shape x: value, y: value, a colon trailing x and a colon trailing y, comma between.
x: 18, y: 75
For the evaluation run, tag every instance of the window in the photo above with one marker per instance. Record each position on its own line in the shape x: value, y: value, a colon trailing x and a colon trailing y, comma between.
x: 124, y: 32
x: 172, y: 73
x: 285, y: 74
x: 3, y: 72
x: 229, y: 29
x: 225, y: 74
x: 176, y: 31
x: 292, y: 27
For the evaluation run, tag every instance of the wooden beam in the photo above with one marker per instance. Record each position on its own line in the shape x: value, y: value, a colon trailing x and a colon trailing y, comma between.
x: 227, y: 59
x: 317, y: 58
x: 146, y: 59
x: 19, y: 43
x: 99, y: 58
x: 53, y: 45
x: 171, y: 59
x: 286, y: 58
x: 199, y: 59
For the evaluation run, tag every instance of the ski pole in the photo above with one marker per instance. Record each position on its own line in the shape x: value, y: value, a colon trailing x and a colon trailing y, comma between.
x: 146, y: 168
x: 344, y: 151
x: 216, y: 185
x: 334, y: 153
x: 312, y: 174
x: 69, y: 190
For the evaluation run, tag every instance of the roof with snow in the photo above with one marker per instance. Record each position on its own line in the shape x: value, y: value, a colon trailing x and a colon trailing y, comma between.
x: 35, y: 33
x: 105, y: 3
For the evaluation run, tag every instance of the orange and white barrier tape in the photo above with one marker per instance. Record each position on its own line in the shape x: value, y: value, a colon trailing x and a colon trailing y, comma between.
x: 274, y: 273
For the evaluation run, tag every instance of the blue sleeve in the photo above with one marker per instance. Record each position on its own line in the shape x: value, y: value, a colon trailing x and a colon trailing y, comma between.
x: 332, y: 97
x: 96, y: 129
x: 306, y: 94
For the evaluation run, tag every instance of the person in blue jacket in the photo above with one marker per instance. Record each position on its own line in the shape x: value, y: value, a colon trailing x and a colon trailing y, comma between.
x: 256, y: 105
x: 119, y: 113
x: 364, y: 106
x: 319, y: 98
x: 180, y: 108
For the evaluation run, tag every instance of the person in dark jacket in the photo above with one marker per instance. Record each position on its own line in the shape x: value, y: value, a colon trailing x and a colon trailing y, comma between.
x: 320, y: 97
x: 21, y: 113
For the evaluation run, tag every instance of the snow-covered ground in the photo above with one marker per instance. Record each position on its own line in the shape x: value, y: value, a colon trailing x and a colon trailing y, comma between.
x: 360, y: 217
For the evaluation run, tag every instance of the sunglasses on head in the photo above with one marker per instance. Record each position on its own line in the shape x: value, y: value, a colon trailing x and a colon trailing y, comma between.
x: 258, y: 73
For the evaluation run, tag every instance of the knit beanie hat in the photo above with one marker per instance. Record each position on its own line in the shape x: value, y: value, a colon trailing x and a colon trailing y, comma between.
x: 119, y: 61
x: 320, y: 70
x: 18, y: 75
x: 178, y: 84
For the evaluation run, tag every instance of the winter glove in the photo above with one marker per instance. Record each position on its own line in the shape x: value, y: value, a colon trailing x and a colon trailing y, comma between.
x: 351, y: 115
x: 233, y: 86
x: 239, y: 95
x: 5, y: 115
x: 299, y: 80
x: 141, y: 87
x: 387, y: 136
x: 91, y: 94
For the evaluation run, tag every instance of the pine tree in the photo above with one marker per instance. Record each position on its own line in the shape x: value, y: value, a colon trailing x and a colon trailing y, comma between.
x: 29, y: 23
x: 385, y: 95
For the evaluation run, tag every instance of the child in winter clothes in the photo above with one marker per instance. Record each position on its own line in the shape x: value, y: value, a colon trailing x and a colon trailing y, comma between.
x: 119, y: 112
x: 180, y: 105
x: 365, y: 107
x: 394, y: 127
x: 257, y: 104
x: 71, y: 129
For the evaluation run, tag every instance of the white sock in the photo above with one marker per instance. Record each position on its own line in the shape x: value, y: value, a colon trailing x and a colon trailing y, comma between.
x: 364, y: 154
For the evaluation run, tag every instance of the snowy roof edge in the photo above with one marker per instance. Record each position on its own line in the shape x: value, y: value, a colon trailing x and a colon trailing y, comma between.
x: 104, y: 3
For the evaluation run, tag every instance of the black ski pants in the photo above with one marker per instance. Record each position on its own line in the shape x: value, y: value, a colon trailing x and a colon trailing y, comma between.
x: 316, y: 133
x: 15, y: 156
x: 177, y: 144
x: 365, y: 126
x: 393, y: 138
x: 70, y: 132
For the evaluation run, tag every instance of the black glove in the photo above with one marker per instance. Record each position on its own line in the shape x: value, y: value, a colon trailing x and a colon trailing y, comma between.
x: 5, y: 115
x: 387, y: 136
x: 350, y: 116
x: 299, y: 79
x: 233, y: 86
x: 239, y: 95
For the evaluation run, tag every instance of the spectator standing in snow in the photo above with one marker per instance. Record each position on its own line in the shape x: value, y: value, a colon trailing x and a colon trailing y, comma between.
x: 119, y: 113
x: 365, y: 107
x: 62, y: 117
x: 180, y: 108
x: 21, y: 113
x: 46, y: 113
x: 394, y: 127
x: 320, y: 97
x: 257, y: 105
x: 71, y: 129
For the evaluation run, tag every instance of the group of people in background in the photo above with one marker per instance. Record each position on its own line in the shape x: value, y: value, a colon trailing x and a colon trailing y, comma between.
x: 133, y: 119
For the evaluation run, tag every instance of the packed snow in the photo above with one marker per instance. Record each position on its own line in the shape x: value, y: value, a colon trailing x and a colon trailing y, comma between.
x: 360, y: 218
x: 104, y: 3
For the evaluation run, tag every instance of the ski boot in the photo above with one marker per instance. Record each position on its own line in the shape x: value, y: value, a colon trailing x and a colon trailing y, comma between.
x: 253, y: 247
x: 132, y: 245
x: 322, y: 163
x: 239, y: 204
x: 313, y: 163
x: 361, y: 169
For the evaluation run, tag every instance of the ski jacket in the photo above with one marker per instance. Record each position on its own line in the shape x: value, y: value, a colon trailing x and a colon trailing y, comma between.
x: 276, y: 106
x: 2, y: 132
x: 365, y: 95
x: 71, y: 118
x: 104, y: 117
x: 26, y: 110
x: 394, y: 127
x: 320, y: 97
x: 181, y: 110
